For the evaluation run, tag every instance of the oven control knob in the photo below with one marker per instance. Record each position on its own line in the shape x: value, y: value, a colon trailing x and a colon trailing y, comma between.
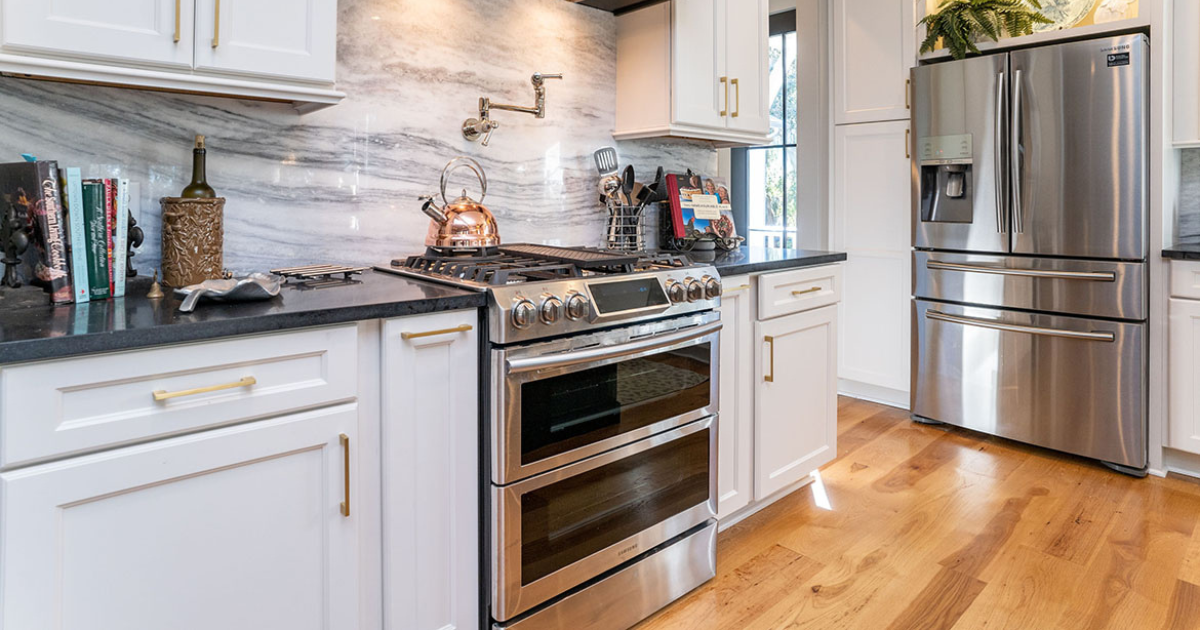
x: 695, y: 290
x: 552, y: 310
x: 712, y: 288
x: 577, y: 306
x: 523, y: 314
x: 676, y: 292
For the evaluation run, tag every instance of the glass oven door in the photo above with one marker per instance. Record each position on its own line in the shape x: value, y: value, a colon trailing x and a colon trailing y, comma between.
x: 562, y: 528
x: 561, y: 401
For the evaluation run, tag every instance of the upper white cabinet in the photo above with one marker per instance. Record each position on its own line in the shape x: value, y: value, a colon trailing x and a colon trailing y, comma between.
x: 430, y: 430
x: 874, y: 46
x: 295, y: 39
x: 1186, y: 91
x: 872, y: 224
x: 282, y: 50
x: 694, y: 69
x: 241, y: 527
x: 149, y: 32
x: 735, y: 424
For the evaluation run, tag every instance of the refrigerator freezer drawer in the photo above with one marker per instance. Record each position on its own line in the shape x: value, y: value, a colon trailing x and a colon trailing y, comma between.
x: 1071, y: 384
x: 1077, y: 287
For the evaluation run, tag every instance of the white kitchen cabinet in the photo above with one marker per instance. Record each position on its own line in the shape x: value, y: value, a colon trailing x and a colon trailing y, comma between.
x: 795, y: 397
x: 735, y: 424
x: 241, y: 527
x: 283, y: 50
x: 150, y: 32
x: 1186, y: 80
x: 694, y: 69
x: 874, y: 46
x: 1183, y: 431
x: 872, y: 224
x: 290, y: 39
x: 431, y: 476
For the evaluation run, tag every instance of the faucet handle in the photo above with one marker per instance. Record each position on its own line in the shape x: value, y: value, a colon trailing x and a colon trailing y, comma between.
x: 539, y: 78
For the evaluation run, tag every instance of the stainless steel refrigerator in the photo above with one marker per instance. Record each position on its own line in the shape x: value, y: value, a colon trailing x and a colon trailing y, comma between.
x: 1030, y: 204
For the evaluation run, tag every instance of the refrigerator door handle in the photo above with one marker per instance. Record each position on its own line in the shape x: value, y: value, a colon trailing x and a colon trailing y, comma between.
x: 1001, y: 220
x: 1014, y: 151
x: 1095, y: 276
x: 1017, y: 328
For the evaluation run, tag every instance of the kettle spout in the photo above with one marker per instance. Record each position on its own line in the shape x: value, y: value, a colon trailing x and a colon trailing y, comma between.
x: 430, y: 208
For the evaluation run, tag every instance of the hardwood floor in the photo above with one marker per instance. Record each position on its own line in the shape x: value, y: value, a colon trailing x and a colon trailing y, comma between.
x: 930, y: 528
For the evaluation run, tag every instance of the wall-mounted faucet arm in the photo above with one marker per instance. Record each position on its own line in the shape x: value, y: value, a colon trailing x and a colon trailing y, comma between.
x: 482, y: 127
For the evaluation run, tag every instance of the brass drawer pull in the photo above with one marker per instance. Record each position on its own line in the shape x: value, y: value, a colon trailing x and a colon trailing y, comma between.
x: 162, y: 395
x: 177, y: 21
x: 770, y: 377
x: 216, y: 23
x: 737, y: 98
x: 434, y: 333
x: 725, y: 83
x: 345, y: 440
x: 805, y: 292
x: 735, y: 289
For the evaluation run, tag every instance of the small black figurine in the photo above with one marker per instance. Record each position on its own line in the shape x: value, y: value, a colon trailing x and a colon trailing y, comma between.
x: 133, y: 241
x: 14, y: 241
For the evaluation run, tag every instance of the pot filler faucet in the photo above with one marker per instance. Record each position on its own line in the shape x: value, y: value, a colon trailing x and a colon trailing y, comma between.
x: 475, y: 128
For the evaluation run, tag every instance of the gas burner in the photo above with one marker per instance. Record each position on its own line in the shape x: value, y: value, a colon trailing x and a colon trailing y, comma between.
x: 459, y: 253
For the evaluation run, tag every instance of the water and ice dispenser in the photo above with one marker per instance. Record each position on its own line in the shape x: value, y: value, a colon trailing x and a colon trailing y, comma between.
x: 947, y: 179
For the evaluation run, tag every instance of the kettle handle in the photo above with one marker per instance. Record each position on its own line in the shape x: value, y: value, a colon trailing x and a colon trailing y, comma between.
x: 458, y: 163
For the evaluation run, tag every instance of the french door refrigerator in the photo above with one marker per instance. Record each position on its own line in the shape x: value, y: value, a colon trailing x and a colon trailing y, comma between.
x: 1030, y: 204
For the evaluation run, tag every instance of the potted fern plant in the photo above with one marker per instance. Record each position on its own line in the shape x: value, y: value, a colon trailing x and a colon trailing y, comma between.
x: 961, y: 23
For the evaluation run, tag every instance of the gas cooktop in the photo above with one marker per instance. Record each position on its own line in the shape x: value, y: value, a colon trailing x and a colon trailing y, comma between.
x: 539, y: 291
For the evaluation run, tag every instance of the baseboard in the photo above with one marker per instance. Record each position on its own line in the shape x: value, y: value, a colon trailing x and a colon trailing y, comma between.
x: 758, y: 506
x: 1181, y: 462
x: 873, y: 393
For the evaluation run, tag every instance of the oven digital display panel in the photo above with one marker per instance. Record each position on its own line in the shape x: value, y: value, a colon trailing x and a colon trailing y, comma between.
x: 615, y: 297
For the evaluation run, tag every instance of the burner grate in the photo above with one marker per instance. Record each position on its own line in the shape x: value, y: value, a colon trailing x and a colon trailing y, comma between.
x: 582, y: 258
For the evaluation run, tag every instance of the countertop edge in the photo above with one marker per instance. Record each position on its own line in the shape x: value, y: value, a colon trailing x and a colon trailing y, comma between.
x: 737, y: 269
x: 1189, y: 253
x: 24, y: 351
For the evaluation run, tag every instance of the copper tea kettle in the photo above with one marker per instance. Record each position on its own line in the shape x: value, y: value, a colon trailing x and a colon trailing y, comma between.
x: 464, y: 222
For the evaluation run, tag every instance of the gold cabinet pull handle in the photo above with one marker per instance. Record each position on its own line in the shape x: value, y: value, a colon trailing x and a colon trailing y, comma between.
x: 908, y: 94
x: 434, y: 333
x: 805, y: 292
x: 737, y: 98
x: 161, y: 395
x: 177, y: 27
x: 770, y: 376
x: 735, y: 289
x: 907, y: 144
x: 345, y: 440
x: 216, y: 23
x: 725, y: 83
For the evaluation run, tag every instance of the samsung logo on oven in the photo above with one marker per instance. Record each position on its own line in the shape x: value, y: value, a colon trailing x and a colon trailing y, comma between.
x: 628, y: 550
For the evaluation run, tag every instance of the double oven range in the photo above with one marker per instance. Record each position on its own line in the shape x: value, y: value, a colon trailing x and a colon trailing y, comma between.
x: 601, y: 430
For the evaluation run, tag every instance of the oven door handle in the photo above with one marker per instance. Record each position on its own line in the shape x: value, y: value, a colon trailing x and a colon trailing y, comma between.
x: 591, y: 355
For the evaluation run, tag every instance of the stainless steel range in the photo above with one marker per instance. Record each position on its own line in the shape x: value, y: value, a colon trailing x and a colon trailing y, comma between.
x: 603, y: 426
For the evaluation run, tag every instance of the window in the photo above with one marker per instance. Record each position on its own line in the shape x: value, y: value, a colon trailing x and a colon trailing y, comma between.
x: 764, y: 178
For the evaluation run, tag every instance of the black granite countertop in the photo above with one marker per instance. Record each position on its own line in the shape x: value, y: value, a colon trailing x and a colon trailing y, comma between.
x: 758, y: 259
x: 1183, y: 251
x: 30, y: 329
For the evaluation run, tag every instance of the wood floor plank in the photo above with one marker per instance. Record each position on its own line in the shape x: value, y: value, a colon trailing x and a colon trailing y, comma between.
x: 1185, y: 607
x: 935, y: 527
x: 941, y: 603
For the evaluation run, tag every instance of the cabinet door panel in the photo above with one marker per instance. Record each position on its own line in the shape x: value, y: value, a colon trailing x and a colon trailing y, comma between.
x: 735, y: 429
x: 233, y: 528
x: 795, y: 402
x: 873, y: 225
x: 140, y: 31
x: 431, y: 474
x: 698, y: 52
x: 1184, y: 377
x: 873, y: 49
x: 746, y: 50
x: 291, y: 39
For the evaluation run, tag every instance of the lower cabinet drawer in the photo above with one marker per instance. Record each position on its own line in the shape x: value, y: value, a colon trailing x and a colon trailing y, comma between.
x: 70, y: 406
x: 787, y: 292
x: 1185, y: 279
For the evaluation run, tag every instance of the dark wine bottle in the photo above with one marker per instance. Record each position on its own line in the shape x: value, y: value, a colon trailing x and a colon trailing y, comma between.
x: 199, y: 188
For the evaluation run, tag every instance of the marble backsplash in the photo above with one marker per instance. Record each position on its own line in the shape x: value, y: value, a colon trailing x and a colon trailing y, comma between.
x: 341, y: 184
x: 1187, y: 223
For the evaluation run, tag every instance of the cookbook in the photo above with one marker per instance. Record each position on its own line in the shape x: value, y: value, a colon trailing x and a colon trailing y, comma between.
x: 700, y: 207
